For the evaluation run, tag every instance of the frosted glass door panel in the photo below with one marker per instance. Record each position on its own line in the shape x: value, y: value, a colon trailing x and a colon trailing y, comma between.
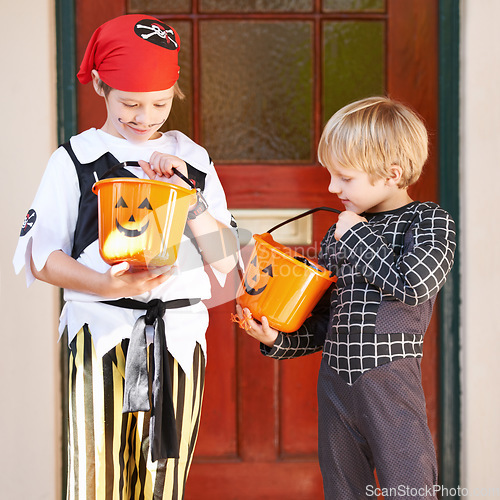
x: 256, y: 5
x: 257, y: 90
x: 159, y: 6
x: 354, y: 5
x: 353, y: 62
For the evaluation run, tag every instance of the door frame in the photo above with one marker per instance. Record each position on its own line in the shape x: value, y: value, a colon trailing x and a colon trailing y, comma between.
x: 66, y: 127
x: 449, y: 328
x: 449, y: 304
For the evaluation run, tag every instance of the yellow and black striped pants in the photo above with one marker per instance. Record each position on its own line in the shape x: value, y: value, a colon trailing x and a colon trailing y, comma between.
x: 108, y: 451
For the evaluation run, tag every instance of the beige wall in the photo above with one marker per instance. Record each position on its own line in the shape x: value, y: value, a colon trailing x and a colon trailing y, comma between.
x: 480, y: 197
x: 29, y: 420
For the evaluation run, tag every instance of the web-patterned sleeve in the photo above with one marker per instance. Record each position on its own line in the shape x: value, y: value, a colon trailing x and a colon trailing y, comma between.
x: 309, y: 338
x: 420, y: 271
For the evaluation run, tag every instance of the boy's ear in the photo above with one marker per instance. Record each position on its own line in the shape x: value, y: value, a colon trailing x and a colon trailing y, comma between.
x: 96, y: 82
x: 395, y: 174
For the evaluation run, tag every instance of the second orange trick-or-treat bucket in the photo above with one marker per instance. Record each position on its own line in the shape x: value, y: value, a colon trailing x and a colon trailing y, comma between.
x: 141, y: 221
x: 281, y: 284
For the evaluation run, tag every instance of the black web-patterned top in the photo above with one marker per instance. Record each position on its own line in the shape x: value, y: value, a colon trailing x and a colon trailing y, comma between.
x: 389, y: 271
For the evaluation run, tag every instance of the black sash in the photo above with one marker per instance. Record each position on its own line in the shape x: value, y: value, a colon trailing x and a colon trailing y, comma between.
x: 162, y: 430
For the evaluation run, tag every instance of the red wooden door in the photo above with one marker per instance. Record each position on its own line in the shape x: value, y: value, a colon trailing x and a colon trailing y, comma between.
x: 261, y: 82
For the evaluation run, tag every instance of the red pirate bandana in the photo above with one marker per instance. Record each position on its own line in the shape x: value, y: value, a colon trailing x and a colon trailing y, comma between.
x: 133, y: 53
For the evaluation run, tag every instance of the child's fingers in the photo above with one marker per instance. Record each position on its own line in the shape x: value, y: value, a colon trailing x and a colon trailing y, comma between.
x: 239, y: 311
x: 164, y: 275
x: 119, y: 269
x: 243, y: 317
x: 259, y: 330
x: 157, y: 275
x: 164, y: 164
x: 147, y: 169
x: 161, y: 163
x: 247, y: 313
x: 265, y: 325
x: 345, y: 222
x: 163, y: 270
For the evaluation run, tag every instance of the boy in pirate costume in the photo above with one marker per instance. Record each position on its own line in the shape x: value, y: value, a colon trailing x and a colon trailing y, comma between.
x: 137, y: 345
x: 391, y: 256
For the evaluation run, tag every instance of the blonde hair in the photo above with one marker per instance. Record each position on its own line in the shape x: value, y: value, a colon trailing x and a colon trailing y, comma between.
x: 373, y: 134
x: 107, y: 89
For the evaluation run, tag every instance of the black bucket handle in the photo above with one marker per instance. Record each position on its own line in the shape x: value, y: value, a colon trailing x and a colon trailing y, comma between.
x: 110, y: 172
x: 136, y: 164
x: 304, y: 214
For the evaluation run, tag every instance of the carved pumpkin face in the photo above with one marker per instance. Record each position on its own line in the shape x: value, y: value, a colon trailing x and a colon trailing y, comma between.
x: 131, y: 218
x: 281, y: 285
x: 141, y: 221
x: 256, y: 280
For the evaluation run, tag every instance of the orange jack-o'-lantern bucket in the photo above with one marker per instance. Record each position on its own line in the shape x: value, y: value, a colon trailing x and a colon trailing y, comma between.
x: 141, y: 221
x: 281, y: 284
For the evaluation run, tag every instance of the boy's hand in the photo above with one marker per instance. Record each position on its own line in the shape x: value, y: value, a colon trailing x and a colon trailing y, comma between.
x: 161, y: 164
x: 118, y: 281
x: 345, y: 221
x: 260, y: 331
x: 122, y: 282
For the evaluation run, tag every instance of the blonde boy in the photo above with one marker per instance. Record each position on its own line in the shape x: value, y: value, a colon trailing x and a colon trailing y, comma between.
x: 391, y: 256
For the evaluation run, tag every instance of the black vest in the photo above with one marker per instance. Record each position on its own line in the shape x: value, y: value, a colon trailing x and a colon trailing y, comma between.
x: 87, y: 229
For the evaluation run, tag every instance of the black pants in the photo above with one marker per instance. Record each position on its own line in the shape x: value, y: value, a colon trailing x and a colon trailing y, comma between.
x: 379, y: 422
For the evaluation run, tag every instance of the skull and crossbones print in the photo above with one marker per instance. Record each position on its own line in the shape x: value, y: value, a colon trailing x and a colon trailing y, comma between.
x: 149, y: 30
